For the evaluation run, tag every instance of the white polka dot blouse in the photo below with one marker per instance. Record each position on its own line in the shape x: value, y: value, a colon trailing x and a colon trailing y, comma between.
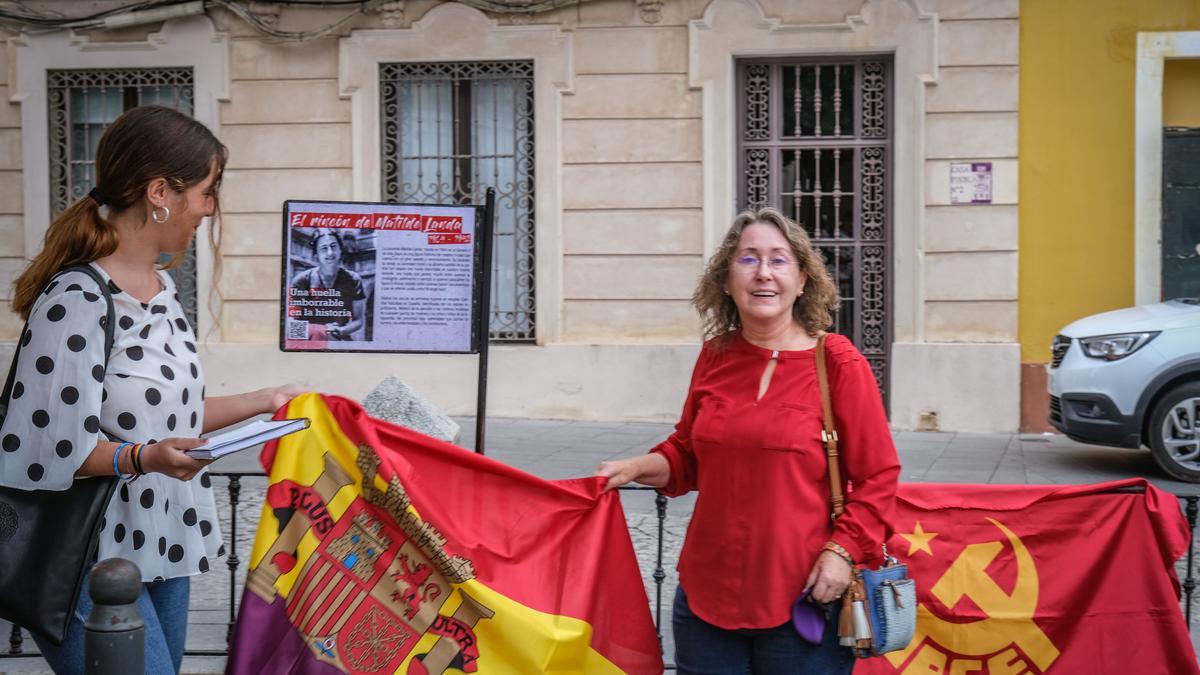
x: 63, y: 399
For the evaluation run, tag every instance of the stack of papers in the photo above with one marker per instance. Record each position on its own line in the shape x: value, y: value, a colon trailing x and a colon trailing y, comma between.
x: 247, y: 436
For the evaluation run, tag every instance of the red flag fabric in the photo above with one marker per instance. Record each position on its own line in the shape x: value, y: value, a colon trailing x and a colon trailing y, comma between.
x: 1042, y: 579
x: 381, y: 550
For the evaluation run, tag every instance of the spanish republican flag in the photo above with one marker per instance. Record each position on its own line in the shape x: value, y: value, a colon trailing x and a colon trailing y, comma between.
x: 381, y: 550
x: 1042, y: 579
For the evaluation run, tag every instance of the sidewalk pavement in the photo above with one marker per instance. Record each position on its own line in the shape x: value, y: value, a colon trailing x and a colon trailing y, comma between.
x: 561, y: 449
x: 553, y: 449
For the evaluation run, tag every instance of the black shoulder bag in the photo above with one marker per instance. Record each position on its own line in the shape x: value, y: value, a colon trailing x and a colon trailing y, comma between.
x: 48, y: 537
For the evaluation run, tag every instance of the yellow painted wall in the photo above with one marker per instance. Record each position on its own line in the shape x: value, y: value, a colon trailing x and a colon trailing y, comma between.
x: 1077, y: 156
x: 1181, y: 93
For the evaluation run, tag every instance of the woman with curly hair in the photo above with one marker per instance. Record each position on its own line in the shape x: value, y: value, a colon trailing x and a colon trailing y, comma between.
x: 749, y: 441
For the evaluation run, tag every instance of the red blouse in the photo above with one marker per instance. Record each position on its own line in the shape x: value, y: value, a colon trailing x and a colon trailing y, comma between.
x: 763, y: 509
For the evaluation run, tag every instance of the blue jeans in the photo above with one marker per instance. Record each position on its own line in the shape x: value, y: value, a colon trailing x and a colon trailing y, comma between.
x: 163, y: 606
x: 704, y: 649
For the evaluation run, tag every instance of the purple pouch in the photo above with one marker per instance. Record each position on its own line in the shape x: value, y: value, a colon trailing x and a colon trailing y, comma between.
x: 808, y: 619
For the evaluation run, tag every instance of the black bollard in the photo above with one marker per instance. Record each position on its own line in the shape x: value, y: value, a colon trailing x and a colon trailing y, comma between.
x: 115, y: 637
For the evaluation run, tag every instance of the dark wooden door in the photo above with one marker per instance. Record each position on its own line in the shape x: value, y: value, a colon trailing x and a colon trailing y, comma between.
x: 1181, y: 214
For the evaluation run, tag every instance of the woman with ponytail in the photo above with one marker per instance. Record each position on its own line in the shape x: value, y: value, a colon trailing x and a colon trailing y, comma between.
x: 70, y: 416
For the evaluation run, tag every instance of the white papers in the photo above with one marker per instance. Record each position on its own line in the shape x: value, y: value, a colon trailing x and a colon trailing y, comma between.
x: 247, y: 436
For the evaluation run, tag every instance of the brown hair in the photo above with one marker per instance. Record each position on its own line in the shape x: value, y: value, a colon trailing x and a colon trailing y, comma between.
x: 812, y: 310
x: 141, y: 145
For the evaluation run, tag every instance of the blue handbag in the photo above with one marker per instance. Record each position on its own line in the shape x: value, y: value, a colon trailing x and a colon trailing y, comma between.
x: 879, y: 612
x: 890, y: 603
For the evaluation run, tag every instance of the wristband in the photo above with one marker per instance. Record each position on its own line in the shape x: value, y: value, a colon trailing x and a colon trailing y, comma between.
x: 836, y: 549
x: 117, y: 460
x: 136, y: 456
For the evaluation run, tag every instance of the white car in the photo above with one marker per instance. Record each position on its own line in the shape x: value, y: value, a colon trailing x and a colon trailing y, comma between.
x: 1131, y: 377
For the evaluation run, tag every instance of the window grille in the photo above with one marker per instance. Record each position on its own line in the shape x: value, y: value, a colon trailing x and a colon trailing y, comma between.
x: 452, y: 130
x: 814, y: 141
x: 82, y: 103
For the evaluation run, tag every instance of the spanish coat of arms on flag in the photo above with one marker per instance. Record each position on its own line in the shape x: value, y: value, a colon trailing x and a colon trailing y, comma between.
x: 381, y: 550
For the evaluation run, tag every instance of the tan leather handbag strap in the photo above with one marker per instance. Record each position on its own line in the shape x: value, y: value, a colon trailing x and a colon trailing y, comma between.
x: 828, y: 435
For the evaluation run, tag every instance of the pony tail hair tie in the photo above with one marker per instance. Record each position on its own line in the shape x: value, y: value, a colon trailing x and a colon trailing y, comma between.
x: 97, y: 196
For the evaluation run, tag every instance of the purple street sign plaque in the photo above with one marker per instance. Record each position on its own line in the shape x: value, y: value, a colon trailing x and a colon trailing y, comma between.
x: 971, y: 183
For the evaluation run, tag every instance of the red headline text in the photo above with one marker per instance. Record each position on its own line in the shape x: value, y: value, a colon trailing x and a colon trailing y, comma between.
x: 412, y: 222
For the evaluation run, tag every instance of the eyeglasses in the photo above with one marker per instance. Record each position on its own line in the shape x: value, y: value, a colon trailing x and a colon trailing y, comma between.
x: 775, y: 262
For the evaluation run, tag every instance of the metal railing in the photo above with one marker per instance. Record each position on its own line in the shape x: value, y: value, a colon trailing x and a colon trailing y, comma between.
x: 659, y: 576
x: 233, y: 562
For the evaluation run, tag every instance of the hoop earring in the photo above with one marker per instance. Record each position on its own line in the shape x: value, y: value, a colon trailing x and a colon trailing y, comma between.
x: 154, y: 214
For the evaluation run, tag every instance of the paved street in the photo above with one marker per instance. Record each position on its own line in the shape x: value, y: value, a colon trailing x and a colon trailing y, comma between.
x: 562, y: 449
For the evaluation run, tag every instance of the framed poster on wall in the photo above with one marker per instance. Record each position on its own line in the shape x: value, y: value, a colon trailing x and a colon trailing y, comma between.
x: 378, y: 277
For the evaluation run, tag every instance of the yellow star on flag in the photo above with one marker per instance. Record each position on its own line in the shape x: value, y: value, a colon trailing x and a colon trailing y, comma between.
x: 919, y: 539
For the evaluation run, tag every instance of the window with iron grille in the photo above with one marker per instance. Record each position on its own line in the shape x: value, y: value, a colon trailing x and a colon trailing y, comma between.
x: 452, y: 130
x: 82, y: 103
x: 814, y: 140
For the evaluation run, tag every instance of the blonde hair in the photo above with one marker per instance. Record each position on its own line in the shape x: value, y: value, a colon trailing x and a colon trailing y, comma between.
x: 813, y: 310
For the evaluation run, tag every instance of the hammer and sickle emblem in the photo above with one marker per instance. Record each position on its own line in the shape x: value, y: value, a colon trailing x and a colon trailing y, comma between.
x: 1009, y: 615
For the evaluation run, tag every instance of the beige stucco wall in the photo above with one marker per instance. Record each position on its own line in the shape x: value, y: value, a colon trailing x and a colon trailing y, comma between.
x: 636, y: 155
x: 288, y: 132
x: 12, y: 234
x: 971, y: 115
x: 964, y: 362
x: 631, y: 218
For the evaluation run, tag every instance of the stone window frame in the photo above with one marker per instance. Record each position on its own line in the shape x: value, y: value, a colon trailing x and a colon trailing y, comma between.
x: 512, y: 318
x: 475, y: 37
x: 732, y: 29
x: 62, y: 87
x: 191, y: 42
x: 1152, y: 49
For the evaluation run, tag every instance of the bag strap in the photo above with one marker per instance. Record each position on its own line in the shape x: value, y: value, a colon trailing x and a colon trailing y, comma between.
x: 110, y: 322
x: 829, y: 435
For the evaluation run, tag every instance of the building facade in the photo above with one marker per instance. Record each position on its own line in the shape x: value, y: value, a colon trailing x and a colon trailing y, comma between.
x: 622, y: 137
x: 1100, y: 110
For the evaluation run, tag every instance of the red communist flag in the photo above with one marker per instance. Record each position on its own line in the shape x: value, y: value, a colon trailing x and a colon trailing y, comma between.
x: 381, y: 550
x: 1042, y: 579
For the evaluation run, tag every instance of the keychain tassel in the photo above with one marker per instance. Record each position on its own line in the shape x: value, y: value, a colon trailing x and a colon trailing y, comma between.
x: 846, y: 619
x: 862, y: 625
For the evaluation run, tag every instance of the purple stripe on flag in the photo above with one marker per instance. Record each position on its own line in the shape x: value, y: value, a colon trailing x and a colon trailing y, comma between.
x: 266, y: 643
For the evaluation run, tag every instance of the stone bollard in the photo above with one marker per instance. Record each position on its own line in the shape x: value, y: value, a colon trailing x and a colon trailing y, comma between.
x: 115, y: 637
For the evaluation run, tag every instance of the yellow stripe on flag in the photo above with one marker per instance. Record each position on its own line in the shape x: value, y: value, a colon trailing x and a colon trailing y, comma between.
x: 300, y: 458
x: 519, y: 640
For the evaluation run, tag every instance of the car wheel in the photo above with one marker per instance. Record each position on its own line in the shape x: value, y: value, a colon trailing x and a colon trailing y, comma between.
x: 1175, y: 432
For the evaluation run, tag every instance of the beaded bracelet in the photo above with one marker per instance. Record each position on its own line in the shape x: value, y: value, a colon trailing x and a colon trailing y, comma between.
x: 837, y: 550
x: 117, y: 461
